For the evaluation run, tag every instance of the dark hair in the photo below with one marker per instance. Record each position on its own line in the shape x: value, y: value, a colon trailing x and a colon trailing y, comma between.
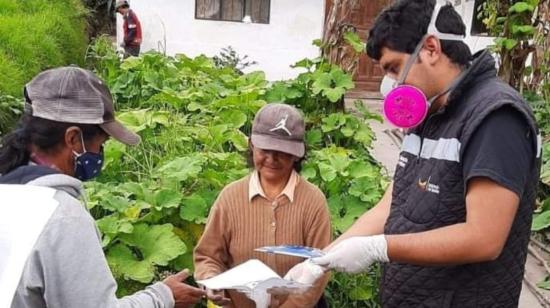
x: 250, y: 160
x: 45, y: 134
x: 401, y: 26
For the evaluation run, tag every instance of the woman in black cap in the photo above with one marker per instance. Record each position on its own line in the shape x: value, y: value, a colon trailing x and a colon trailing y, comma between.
x: 272, y: 206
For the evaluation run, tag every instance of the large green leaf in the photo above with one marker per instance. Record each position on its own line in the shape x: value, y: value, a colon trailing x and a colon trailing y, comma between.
x: 115, y: 203
x: 510, y: 43
x: 110, y: 226
x: 131, y: 63
x: 314, y: 137
x: 256, y: 79
x: 114, y: 151
x: 184, y: 261
x: 541, y: 221
x: 520, y: 7
x: 342, y: 80
x: 239, y: 140
x: 359, y: 169
x: 277, y: 93
x: 124, y: 264
x: 167, y: 198
x: 281, y: 92
x: 182, y: 168
x: 304, y: 63
x: 134, y: 120
x: 333, y: 122
x: 334, y: 94
x: 545, y: 284
x: 355, y: 41
x: 523, y: 29
x: 365, y: 188
x: 354, y: 208
x: 308, y: 172
x: 194, y: 209
x: 340, y: 161
x: 322, y: 83
x: 348, y: 130
x: 364, y: 135
x: 133, y: 188
x: 158, y: 244
x: 218, y: 133
x: 113, y: 224
x: 336, y: 206
x: 232, y: 117
x: 327, y: 172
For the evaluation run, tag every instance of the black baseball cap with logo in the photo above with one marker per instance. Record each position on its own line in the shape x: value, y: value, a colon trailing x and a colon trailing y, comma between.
x: 75, y: 95
x: 279, y: 127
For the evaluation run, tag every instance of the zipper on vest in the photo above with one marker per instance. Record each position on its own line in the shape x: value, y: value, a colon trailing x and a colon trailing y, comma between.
x: 422, y: 132
x: 425, y: 127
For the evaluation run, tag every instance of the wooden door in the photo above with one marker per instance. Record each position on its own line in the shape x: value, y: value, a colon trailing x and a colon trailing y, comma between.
x: 369, y: 75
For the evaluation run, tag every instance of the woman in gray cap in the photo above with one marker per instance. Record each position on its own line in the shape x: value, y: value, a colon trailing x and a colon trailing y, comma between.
x: 50, y: 251
x: 272, y: 206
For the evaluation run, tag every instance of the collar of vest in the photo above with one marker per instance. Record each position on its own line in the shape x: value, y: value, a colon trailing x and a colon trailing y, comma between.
x: 482, y: 67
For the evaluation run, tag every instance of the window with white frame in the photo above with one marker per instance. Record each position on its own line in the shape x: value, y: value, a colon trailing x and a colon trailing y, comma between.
x: 255, y: 11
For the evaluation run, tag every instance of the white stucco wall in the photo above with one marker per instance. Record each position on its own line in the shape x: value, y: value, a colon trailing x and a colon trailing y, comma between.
x: 275, y: 46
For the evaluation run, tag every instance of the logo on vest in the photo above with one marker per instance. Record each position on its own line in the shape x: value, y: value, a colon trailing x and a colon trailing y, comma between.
x: 427, y: 186
x: 402, y: 161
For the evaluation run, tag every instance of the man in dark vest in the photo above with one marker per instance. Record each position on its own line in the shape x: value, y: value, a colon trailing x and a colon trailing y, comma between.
x: 132, y: 29
x: 452, y: 229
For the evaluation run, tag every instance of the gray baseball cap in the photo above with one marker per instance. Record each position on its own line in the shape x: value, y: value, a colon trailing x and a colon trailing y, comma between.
x: 75, y: 95
x: 279, y: 127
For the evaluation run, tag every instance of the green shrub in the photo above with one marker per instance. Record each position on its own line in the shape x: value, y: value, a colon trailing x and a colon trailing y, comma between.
x: 11, y: 76
x: 36, y: 35
x: 193, y: 118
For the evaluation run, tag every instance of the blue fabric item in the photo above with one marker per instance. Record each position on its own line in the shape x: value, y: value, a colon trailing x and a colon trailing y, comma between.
x: 88, y: 165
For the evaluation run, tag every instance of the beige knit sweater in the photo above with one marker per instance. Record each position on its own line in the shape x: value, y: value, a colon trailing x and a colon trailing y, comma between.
x: 236, y: 226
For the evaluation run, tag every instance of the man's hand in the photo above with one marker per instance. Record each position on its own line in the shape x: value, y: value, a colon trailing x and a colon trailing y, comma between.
x: 355, y: 254
x: 305, y: 272
x: 218, y: 297
x: 184, y: 295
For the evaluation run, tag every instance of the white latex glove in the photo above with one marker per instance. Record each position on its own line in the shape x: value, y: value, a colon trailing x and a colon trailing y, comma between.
x: 305, y: 272
x: 355, y: 254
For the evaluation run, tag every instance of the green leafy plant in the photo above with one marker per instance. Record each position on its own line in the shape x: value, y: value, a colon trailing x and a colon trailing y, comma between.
x: 39, y: 34
x: 354, y: 291
x: 194, y: 118
x: 513, y: 23
x: 525, y: 25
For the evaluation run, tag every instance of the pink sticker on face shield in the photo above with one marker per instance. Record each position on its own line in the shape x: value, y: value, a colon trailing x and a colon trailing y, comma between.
x: 405, y: 106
